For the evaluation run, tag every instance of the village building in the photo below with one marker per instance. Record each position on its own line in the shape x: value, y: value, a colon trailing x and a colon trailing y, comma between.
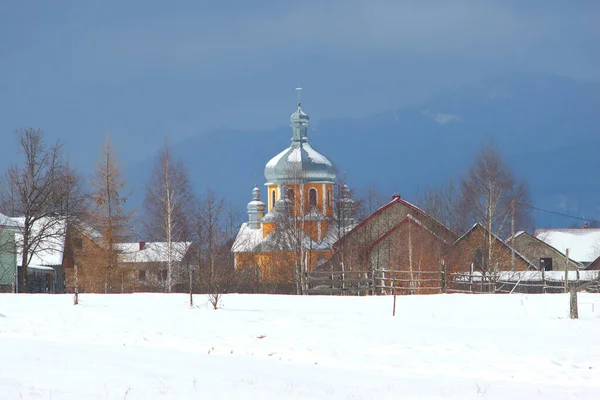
x: 473, y: 253
x: 144, y: 265
x: 295, y: 229
x: 546, y: 257
x: 360, y: 248
x: 595, y: 265
x: 48, y: 256
x: 8, y: 254
x: 583, y: 243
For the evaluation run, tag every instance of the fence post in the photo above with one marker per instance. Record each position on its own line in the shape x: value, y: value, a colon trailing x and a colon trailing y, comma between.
x: 566, y: 289
x: 573, y: 309
x: 443, y: 288
x: 471, y: 279
x: 543, y: 280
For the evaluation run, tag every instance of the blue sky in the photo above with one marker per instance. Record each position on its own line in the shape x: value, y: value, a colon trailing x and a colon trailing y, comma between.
x: 146, y: 70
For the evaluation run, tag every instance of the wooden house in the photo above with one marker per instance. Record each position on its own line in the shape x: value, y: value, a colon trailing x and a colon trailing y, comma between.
x: 546, y: 257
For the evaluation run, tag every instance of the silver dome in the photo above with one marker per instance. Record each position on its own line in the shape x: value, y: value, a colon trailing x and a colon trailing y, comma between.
x: 300, y: 161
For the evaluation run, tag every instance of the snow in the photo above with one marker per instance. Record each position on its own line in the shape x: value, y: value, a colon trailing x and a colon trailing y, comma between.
x: 154, y: 346
x: 50, y: 250
x: 273, y: 161
x: 152, y: 251
x: 315, y: 156
x: 525, y: 276
x: 247, y: 239
x: 583, y: 244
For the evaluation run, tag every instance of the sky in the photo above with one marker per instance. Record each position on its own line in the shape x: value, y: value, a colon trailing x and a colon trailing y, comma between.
x: 149, y: 70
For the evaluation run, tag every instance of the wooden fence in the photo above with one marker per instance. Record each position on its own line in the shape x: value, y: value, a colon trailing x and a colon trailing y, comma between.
x: 382, y: 282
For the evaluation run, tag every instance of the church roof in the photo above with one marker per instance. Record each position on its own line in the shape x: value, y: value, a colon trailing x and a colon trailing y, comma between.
x: 300, y: 161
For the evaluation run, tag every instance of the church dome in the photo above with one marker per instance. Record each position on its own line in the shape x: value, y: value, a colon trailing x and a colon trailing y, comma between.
x: 300, y: 160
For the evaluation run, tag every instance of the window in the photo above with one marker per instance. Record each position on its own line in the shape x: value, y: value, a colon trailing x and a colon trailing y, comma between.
x: 312, y: 197
x: 291, y: 195
x: 272, y: 198
x: 142, y: 275
x: 546, y: 264
x: 329, y: 197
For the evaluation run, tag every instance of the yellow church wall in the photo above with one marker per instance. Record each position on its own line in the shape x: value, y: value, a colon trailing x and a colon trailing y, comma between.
x: 276, y: 266
x: 322, y: 189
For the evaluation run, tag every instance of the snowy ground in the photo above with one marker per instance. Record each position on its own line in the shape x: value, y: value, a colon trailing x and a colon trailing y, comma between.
x: 148, y: 346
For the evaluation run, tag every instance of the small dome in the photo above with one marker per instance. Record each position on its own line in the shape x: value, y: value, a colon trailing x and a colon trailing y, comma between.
x: 300, y: 160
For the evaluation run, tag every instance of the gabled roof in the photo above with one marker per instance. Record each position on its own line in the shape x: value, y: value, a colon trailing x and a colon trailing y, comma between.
x: 478, y: 225
x: 594, y: 265
x: 152, y: 252
x: 583, y: 244
x: 408, y: 219
x: 523, y: 234
x: 395, y: 200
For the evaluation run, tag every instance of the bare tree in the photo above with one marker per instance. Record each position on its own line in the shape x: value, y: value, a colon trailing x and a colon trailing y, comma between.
x: 441, y: 202
x: 108, y: 215
x: 35, y: 192
x: 491, y: 195
x: 208, y: 217
x: 167, y: 207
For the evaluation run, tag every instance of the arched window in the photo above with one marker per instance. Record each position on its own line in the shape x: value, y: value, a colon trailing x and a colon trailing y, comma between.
x: 272, y: 198
x: 291, y: 195
x: 329, y: 197
x: 312, y: 197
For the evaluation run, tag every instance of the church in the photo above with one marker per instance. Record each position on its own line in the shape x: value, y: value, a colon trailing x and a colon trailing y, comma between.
x: 295, y: 230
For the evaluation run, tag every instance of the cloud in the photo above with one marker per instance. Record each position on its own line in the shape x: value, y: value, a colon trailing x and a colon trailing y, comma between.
x: 441, y: 118
x: 209, y: 43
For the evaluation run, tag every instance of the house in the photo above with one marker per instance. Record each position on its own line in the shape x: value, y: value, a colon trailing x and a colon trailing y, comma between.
x: 8, y: 254
x: 595, y: 265
x: 583, y: 243
x: 411, y: 255
x: 144, y: 265
x: 47, y: 255
x: 140, y: 266
x: 359, y: 249
x: 547, y: 257
x: 471, y: 252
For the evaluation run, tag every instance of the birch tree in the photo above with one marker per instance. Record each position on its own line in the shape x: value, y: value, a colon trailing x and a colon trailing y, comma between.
x: 490, y: 195
x: 108, y: 214
x: 167, y: 207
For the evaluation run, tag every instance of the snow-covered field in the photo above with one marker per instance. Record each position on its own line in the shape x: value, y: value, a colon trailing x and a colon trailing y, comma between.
x: 148, y: 346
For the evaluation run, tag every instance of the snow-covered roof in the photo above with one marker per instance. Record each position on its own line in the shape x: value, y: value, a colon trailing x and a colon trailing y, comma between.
x: 583, y: 244
x: 247, y: 239
x: 152, y: 252
x: 8, y: 222
x: 50, y: 249
x: 250, y: 240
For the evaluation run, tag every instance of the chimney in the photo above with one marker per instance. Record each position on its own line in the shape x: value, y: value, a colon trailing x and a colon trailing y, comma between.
x: 142, y: 245
x: 585, y: 225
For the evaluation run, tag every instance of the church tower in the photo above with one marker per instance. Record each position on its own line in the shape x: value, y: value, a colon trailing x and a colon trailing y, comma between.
x: 299, y: 182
